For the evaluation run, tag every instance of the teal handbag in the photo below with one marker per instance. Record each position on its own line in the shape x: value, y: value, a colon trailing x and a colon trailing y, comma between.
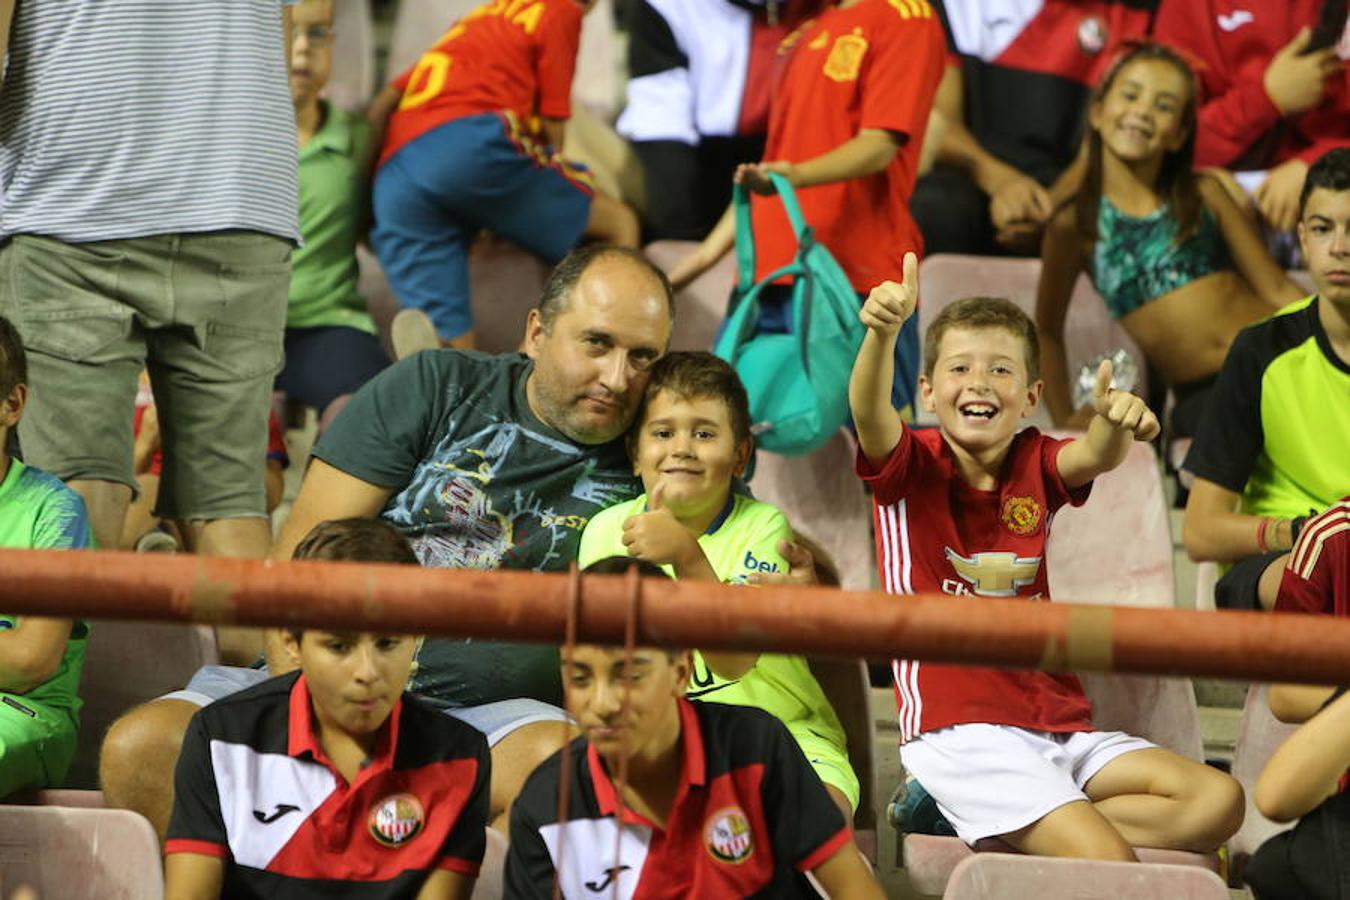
x: 797, y: 382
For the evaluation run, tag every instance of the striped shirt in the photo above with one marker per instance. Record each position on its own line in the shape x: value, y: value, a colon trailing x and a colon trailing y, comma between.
x: 138, y: 117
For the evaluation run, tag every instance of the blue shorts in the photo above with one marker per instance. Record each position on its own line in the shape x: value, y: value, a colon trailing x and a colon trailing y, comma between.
x: 773, y: 319
x: 327, y: 362
x: 433, y: 196
x: 495, y: 720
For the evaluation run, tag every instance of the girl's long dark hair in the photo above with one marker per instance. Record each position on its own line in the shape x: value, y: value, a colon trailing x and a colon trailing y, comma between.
x: 1176, y: 176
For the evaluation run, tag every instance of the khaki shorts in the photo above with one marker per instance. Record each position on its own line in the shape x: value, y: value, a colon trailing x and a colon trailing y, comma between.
x: 204, y: 312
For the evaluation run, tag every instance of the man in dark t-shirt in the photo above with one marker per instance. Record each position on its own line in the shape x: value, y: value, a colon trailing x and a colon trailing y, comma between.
x: 484, y: 462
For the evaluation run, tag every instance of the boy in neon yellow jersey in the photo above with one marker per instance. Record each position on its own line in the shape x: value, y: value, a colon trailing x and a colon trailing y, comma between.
x: 691, y: 442
x: 40, y: 658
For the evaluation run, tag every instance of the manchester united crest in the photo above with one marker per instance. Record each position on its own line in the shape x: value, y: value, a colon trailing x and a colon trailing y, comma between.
x: 396, y: 820
x: 1022, y: 515
x: 727, y: 835
x: 846, y: 56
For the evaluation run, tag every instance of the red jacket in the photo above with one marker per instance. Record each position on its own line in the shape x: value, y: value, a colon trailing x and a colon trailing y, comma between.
x: 1233, y: 41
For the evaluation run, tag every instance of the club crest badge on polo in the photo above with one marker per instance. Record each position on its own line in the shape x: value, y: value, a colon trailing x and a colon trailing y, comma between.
x: 797, y: 382
x: 728, y: 836
x: 397, y: 819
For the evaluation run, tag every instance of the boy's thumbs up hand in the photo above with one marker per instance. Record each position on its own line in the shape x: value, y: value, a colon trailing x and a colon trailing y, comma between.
x: 1121, y: 409
x: 890, y: 304
x: 656, y: 535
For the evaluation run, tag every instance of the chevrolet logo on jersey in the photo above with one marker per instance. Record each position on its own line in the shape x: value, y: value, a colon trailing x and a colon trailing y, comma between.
x: 995, y: 574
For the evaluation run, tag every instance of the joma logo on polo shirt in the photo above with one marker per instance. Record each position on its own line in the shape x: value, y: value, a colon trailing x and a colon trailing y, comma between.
x: 281, y: 810
x: 610, y: 874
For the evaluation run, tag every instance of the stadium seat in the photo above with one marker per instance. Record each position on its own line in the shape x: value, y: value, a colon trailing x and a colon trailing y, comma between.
x: 1206, y: 577
x: 1089, y: 563
x: 352, y: 82
x: 995, y: 876
x: 1259, y: 735
x: 703, y: 304
x: 493, y: 872
x: 79, y: 854
x: 1089, y: 329
x: 126, y: 664
x: 505, y: 282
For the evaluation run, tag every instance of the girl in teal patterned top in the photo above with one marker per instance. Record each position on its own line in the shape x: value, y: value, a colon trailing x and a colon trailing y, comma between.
x: 1176, y: 258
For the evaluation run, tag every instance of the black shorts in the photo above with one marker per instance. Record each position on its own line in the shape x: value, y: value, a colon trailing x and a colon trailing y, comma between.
x: 1239, y: 588
x: 327, y: 362
x: 1192, y: 398
x: 1312, y: 862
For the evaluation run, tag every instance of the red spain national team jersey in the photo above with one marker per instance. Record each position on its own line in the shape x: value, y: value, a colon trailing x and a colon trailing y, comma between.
x: 937, y: 533
x: 1317, y: 576
x: 507, y: 55
x: 874, y: 65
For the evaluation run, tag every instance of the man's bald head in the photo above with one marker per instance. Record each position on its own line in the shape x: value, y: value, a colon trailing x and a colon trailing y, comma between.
x: 563, y: 280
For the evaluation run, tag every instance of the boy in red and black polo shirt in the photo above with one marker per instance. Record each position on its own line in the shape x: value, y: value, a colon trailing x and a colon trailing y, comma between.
x: 330, y: 782
x: 719, y: 801
x: 966, y: 509
x: 474, y: 140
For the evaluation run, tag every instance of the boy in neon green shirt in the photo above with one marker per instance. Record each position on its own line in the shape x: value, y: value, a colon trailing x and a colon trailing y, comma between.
x: 40, y: 659
x: 691, y: 442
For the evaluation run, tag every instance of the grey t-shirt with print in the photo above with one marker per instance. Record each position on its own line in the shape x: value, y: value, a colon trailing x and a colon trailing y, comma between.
x: 480, y: 483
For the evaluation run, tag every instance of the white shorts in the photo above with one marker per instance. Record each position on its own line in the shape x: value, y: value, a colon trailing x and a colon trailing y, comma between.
x: 989, y: 780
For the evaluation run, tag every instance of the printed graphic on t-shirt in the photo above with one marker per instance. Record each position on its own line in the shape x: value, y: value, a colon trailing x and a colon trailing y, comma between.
x: 458, y: 518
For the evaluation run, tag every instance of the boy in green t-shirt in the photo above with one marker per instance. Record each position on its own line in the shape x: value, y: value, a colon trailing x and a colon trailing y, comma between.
x: 40, y: 659
x: 691, y: 442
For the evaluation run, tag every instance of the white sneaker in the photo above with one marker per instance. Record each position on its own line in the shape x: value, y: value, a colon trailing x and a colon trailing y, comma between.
x: 412, y: 332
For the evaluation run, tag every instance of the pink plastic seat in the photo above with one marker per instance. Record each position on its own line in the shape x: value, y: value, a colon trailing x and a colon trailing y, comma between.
x: 352, y: 82
x: 1259, y: 735
x: 493, y: 872
x: 126, y: 664
x: 1007, y: 877
x: 702, y: 305
x: 79, y: 854
x: 1089, y: 329
x: 1089, y: 563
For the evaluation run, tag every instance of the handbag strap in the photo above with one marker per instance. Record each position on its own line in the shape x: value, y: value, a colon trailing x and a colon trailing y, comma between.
x: 745, y: 230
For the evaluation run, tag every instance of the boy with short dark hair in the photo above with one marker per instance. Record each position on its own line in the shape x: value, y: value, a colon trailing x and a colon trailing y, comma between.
x: 965, y: 509
x: 330, y: 778
x: 690, y: 443
x: 40, y: 658
x: 715, y: 801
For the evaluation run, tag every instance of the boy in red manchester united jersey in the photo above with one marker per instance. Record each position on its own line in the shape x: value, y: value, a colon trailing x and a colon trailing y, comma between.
x: 846, y: 124
x: 966, y: 510
x: 472, y: 140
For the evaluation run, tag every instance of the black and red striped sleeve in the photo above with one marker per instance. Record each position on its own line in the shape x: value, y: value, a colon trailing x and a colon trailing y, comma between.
x: 196, y: 825
x: 466, y: 843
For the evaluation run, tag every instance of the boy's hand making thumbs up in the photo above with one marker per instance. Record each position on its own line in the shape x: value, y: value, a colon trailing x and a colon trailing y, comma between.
x: 890, y: 304
x: 656, y: 536
x: 1122, y: 409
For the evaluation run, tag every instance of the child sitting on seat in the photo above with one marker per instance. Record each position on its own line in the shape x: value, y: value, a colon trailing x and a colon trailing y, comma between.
x: 1175, y: 258
x: 691, y: 441
x: 331, y: 779
x: 699, y: 799
x: 40, y: 658
x: 965, y: 509
x: 1306, y: 778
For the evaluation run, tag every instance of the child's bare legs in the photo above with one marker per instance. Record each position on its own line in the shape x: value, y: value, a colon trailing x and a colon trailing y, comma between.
x: 1075, y: 830
x: 1145, y: 798
x: 140, y: 516
x: 1157, y: 798
x: 612, y: 222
